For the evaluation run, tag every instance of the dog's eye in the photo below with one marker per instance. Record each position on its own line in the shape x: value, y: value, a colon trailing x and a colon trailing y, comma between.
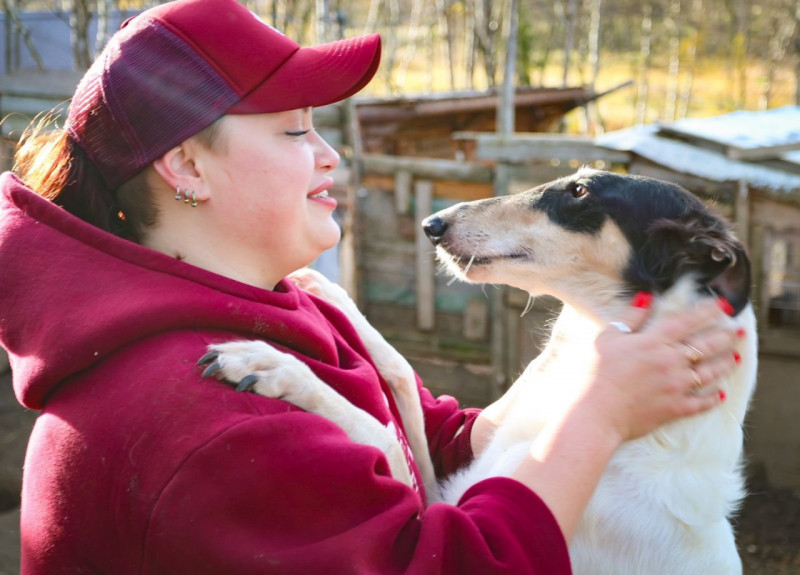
x: 579, y: 191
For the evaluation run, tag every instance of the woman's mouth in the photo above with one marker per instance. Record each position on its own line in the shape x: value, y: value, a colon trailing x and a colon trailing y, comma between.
x: 320, y: 196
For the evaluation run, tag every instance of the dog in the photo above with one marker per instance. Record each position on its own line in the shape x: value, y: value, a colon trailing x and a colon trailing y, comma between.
x: 591, y: 240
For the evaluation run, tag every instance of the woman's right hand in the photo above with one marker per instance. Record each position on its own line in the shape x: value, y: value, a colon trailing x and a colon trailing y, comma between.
x: 639, y: 380
x: 662, y: 371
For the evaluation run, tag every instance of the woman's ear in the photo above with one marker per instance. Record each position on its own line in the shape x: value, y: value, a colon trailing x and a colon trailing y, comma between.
x: 178, y: 167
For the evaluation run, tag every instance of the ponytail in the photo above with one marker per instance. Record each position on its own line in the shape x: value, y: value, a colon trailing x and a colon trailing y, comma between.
x: 52, y: 165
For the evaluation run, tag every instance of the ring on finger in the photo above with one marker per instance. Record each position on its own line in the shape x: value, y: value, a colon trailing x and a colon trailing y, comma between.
x: 692, y: 353
x: 621, y: 326
x: 697, y: 381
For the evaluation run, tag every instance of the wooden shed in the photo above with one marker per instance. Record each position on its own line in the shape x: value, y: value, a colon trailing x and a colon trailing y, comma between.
x: 423, y: 125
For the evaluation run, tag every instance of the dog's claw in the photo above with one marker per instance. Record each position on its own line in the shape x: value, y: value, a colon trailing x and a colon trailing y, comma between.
x: 212, y: 369
x: 246, y: 383
x: 208, y: 358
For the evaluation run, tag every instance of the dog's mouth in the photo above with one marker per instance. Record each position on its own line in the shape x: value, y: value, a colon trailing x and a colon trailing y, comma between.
x: 465, y: 263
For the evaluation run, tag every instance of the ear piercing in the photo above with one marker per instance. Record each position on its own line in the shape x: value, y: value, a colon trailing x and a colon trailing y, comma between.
x: 184, y: 195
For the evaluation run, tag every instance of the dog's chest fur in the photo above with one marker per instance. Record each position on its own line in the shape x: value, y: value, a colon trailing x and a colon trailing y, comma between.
x: 664, y: 500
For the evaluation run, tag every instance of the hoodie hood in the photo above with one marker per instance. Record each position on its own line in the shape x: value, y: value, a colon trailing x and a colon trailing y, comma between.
x: 72, y: 294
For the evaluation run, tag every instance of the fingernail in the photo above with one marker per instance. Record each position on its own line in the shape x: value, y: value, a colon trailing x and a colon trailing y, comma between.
x: 737, y: 357
x: 642, y: 300
x: 740, y: 333
x: 722, y: 395
x: 725, y: 305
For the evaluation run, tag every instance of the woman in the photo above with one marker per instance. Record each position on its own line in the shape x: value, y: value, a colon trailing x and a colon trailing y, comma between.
x: 191, y: 135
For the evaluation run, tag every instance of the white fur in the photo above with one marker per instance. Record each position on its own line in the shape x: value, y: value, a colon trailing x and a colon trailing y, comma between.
x: 663, y: 504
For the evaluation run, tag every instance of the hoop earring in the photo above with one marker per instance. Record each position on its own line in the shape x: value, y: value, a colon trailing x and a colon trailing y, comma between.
x: 177, y: 192
x: 194, y: 199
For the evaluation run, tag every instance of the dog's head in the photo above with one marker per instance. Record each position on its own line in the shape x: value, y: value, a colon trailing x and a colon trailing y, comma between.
x: 594, y: 231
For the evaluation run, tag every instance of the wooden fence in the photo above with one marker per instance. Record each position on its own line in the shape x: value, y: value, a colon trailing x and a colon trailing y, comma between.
x: 467, y: 340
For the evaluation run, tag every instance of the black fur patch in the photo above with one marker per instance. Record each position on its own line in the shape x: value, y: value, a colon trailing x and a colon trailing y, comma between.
x: 672, y: 233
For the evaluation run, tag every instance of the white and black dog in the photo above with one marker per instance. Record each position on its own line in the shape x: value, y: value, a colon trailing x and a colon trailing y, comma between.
x: 591, y: 240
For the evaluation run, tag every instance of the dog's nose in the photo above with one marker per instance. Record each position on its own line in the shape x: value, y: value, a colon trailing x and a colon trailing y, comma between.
x: 434, y: 228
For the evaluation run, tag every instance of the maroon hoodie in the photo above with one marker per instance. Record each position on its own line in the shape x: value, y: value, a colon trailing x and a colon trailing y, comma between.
x: 138, y: 465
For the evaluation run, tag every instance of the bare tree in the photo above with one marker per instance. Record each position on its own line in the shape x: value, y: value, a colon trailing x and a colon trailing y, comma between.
x: 569, y: 14
x: 645, y: 60
x: 104, y: 8
x: 593, y: 49
x: 16, y: 28
x: 784, y: 28
x: 487, y: 24
x: 673, y: 24
x: 448, y: 46
x: 695, y: 22
x: 79, y: 31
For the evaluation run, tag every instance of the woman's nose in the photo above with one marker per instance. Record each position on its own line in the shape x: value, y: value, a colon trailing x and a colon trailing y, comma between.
x: 327, y: 158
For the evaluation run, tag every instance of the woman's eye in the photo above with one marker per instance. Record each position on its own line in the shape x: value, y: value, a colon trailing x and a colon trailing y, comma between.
x: 579, y: 191
x: 298, y: 133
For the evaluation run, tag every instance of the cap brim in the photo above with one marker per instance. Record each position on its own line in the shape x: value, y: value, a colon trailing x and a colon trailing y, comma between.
x: 316, y: 76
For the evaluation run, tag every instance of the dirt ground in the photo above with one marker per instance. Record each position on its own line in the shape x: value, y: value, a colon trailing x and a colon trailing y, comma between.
x: 768, y: 527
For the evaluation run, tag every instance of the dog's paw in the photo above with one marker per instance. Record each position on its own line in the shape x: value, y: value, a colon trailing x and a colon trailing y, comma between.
x: 317, y: 284
x: 256, y: 366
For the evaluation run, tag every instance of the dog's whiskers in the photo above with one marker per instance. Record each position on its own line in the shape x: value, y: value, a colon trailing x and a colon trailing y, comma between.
x: 464, y: 271
x: 469, y: 264
x: 528, y: 306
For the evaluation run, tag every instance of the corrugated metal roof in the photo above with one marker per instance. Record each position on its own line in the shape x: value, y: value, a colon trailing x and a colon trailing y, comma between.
x: 701, y: 147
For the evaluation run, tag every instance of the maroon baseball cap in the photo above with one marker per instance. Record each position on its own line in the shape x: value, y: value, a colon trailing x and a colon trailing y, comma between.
x: 172, y: 70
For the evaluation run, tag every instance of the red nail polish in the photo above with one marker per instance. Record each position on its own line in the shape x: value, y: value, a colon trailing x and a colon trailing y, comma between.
x: 740, y: 333
x: 722, y: 395
x: 737, y: 357
x: 725, y: 305
x: 642, y: 300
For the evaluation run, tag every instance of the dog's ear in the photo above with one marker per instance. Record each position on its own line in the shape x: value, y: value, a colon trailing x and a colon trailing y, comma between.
x: 725, y: 268
x: 701, y: 246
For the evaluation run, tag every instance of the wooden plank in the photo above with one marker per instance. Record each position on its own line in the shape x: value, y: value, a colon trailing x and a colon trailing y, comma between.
x: 763, y: 153
x: 476, y: 320
x: 461, y: 191
x: 402, y: 191
x: 742, y: 214
x: 522, y: 148
x: 426, y: 284
x: 428, y: 168
x: 442, y: 189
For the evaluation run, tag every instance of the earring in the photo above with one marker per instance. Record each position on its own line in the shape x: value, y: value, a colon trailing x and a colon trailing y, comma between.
x: 177, y: 192
x: 194, y: 199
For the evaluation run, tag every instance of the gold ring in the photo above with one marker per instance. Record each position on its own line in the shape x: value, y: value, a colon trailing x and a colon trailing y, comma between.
x: 692, y: 353
x: 697, y: 381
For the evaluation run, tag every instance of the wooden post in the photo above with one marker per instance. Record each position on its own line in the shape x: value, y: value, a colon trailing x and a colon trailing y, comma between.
x: 402, y: 191
x: 426, y: 270
x: 742, y: 213
x: 502, y: 179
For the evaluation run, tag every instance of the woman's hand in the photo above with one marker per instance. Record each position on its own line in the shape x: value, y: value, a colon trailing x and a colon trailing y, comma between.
x: 660, y: 372
x: 643, y: 377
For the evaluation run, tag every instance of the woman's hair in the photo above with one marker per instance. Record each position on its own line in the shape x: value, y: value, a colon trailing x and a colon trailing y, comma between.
x: 50, y: 163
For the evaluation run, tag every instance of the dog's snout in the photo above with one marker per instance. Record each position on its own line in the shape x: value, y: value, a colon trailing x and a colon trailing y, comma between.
x: 434, y: 228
